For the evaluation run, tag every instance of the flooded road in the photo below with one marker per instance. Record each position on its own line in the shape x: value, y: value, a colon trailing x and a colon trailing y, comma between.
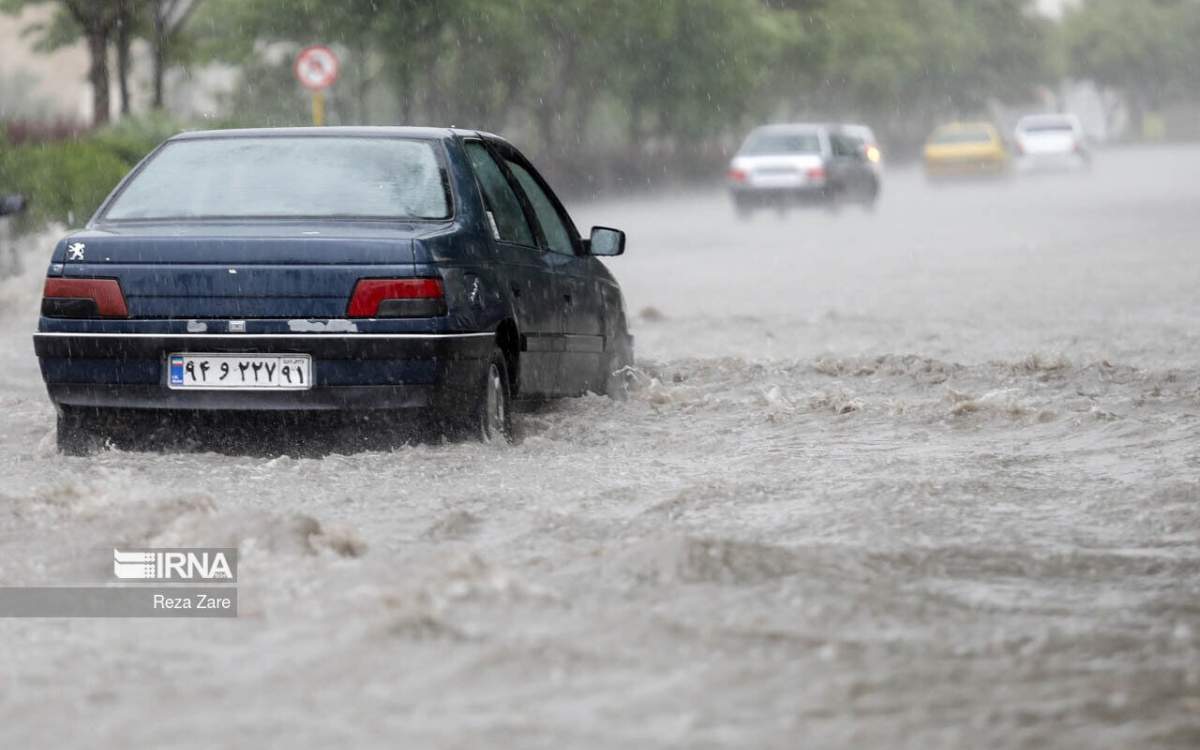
x: 927, y: 478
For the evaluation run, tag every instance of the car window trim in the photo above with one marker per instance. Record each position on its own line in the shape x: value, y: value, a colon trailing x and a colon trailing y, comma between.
x: 563, y: 215
x: 555, y: 206
x: 535, y: 228
x: 507, y: 151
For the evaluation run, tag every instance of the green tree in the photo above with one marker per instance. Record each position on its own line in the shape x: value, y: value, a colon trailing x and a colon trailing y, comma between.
x: 904, y: 64
x: 689, y: 69
x: 164, y: 28
x: 1146, y: 50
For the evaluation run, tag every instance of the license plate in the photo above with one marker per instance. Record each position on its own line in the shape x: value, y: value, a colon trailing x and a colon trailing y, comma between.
x: 239, y: 372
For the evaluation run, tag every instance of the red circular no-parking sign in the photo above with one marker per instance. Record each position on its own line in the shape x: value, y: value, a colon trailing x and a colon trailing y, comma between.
x: 316, y: 68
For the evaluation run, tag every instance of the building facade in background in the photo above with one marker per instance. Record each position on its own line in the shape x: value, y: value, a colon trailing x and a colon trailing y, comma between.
x: 54, y: 86
x: 38, y: 85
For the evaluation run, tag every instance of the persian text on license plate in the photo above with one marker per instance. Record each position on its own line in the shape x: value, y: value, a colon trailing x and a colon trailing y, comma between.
x: 240, y: 372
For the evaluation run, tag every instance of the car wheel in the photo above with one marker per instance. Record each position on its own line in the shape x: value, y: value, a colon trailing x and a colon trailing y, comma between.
x: 743, y: 208
x: 493, y: 409
x: 833, y: 202
x: 78, y: 432
x: 871, y: 196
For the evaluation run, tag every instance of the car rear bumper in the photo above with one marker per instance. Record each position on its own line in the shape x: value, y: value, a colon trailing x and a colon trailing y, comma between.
x: 771, y: 196
x: 1052, y: 160
x: 350, y: 372
x: 341, y: 398
x: 967, y: 168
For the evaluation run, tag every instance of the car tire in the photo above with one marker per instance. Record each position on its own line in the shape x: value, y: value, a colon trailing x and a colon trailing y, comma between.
x: 743, y: 208
x: 871, y: 196
x: 616, y: 376
x: 78, y: 432
x: 491, y: 420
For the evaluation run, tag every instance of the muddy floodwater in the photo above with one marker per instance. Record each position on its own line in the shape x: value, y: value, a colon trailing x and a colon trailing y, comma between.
x: 922, y: 478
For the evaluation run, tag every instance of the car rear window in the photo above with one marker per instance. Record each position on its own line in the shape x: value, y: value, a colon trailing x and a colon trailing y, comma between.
x: 769, y: 144
x: 963, y: 135
x: 287, y: 177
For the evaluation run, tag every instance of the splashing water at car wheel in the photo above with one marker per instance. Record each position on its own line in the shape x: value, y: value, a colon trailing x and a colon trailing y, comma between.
x: 616, y: 374
x: 78, y: 432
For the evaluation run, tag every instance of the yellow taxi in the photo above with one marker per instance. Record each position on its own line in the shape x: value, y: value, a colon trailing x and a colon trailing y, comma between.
x: 966, y: 149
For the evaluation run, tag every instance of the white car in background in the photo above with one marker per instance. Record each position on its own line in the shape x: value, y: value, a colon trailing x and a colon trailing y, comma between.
x: 790, y: 165
x: 1051, y: 141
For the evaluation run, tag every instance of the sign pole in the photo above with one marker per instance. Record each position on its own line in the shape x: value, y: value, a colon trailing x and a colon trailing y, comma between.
x: 318, y: 108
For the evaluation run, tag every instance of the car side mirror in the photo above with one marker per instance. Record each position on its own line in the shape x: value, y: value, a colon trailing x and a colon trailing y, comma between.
x: 11, y: 204
x: 606, y: 241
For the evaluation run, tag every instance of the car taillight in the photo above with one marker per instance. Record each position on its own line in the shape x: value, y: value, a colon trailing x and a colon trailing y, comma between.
x: 83, y: 298
x: 737, y: 175
x: 397, y: 298
x: 816, y: 174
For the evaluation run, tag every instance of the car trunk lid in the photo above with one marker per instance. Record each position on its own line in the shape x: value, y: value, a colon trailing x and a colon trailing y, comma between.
x: 292, y: 271
x: 1047, y: 142
x: 783, y: 170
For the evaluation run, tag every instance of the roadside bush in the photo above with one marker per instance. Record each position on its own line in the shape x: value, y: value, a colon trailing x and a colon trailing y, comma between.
x: 134, y: 137
x: 65, y: 181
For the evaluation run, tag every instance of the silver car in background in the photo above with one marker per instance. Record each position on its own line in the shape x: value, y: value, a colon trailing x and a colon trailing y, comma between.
x: 1051, y: 141
x: 784, y: 166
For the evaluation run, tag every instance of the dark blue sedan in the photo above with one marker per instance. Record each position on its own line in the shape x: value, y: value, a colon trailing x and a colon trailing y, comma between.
x: 354, y: 270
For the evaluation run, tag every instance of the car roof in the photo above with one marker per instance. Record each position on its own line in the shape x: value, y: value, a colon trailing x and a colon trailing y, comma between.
x: 854, y: 128
x: 965, y: 125
x: 817, y: 127
x: 1063, y: 117
x: 426, y: 133
x: 791, y: 127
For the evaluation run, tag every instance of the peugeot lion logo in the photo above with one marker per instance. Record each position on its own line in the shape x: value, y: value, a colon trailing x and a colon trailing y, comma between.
x: 75, y: 251
x: 179, y: 565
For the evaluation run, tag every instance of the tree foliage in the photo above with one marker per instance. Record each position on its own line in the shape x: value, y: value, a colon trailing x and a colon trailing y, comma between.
x: 606, y: 80
x: 632, y: 73
x: 1146, y: 50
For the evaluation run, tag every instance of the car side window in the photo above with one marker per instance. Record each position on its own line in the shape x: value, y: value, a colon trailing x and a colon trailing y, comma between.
x: 844, y: 145
x: 558, y: 236
x: 503, y: 207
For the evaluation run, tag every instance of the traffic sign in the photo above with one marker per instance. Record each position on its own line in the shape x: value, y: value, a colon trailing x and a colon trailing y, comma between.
x: 316, y: 68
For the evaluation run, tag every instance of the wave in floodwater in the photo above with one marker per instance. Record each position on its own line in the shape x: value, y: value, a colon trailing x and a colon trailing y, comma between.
x: 928, y: 478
